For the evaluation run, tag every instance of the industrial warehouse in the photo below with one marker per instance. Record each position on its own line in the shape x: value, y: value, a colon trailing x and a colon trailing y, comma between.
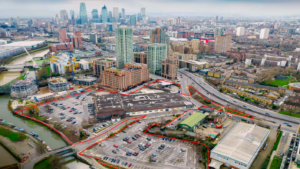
x: 120, y: 105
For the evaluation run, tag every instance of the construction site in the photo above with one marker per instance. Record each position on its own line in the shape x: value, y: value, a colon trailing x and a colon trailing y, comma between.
x: 23, y: 88
x: 57, y: 84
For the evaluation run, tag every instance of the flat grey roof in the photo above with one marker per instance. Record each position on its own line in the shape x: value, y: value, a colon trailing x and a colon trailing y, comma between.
x: 242, y: 142
x: 8, y: 48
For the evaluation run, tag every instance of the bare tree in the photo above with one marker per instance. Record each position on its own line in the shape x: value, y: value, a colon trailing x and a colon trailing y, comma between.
x: 40, y: 148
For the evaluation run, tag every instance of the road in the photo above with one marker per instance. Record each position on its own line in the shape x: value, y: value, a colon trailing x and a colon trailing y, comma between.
x: 189, y: 79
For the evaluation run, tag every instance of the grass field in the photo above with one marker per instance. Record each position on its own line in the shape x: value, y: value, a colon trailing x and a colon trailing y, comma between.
x: 276, y: 163
x: 289, y: 114
x: 278, y: 82
x: 13, y: 136
x: 43, y: 164
x: 277, y: 141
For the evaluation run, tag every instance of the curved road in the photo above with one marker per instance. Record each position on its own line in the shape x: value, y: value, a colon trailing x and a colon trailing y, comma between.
x: 213, y: 94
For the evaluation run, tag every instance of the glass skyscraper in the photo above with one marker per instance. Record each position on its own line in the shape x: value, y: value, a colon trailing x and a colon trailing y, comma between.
x: 104, y: 14
x: 95, y: 14
x: 132, y: 20
x: 83, y: 14
x: 124, y: 46
x: 156, y: 53
x: 72, y: 14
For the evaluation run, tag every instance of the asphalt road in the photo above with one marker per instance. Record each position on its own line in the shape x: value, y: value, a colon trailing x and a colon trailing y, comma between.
x: 189, y: 79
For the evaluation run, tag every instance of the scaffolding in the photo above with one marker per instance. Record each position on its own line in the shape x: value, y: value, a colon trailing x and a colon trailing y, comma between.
x: 23, y: 88
x: 58, y: 84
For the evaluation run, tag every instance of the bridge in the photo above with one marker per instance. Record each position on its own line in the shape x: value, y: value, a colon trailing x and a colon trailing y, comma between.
x: 15, y: 67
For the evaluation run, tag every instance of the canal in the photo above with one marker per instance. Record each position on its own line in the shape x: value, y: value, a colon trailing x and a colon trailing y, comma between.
x: 51, y: 138
x: 6, y: 157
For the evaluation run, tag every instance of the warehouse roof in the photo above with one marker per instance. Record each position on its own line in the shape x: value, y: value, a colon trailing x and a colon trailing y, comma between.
x: 242, y: 143
x: 193, y: 119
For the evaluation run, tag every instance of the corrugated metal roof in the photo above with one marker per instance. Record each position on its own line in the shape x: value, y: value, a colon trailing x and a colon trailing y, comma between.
x: 193, y: 119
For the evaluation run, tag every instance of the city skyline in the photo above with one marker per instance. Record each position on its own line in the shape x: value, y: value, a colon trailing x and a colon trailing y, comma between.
x: 246, y: 8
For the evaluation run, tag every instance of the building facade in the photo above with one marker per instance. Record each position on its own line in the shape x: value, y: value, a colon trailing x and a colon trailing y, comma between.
x: 23, y: 88
x: 222, y: 44
x: 156, y: 53
x: 169, y: 68
x: 58, y: 84
x: 218, y: 31
x: 83, y: 14
x: 159, y: 36
x: 124, y: 46
x: 264, y: 33
x: 104, y: 14
x: 101, y: 65
x: 240, y: 31
x: 122, y: 79
x: 116, y: 13
x: 140, y: 57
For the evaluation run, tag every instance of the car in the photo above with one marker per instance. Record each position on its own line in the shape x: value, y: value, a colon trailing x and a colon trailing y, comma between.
x: 183, y: 150
x: 70, y: 111
x: 267, y: 113
x: 153, y: 160
x: 62, y: 114
x: 200, y: 160
x: 114, y: 151
x: 125, y: 164
x: 154, y: 155
x: 121, y: 162
x: 68, y: 107
x: 62, y: 117
x: 74, y: 122
x: 179, y: 119
x: 286, y: 123
x: 75, y: 112
x: 138, y: 121
x: 148, y: 144
x: 149, y: 139
x: 142, y: 149
x: 115, y: 146
x: 123, y: 131
x: 118, y: 149
x: 129, y: 165
x: 128, y: 153
x: 281, y: 154
x: 129, y: 142
x: 289, y: 125
x: 118, y: 161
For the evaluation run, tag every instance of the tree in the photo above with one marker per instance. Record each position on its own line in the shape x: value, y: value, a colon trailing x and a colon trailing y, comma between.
x: 34, y: 109
x: 289, y: 70
x: 56, y: 162
x: 40, y: 148
x: 41, y: 73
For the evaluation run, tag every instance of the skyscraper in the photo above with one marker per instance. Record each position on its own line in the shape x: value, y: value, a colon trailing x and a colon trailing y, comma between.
x: 83, y: 14
x: 143, y: 12
x: 156, y: 53
x: 218, y: 31
x: 72, y: 14
x: 240, y: 31
x: 159, y: 36
x: 63, y: 15
x: 116, y: 13
x: 178, y: 21
x: 56, y: 19
x: 124, y: 46
x: 110, y: 14
x: 104, y: 14
x: 132, y: 20
x: 95, y: 14
x: 18, y: 20
x: 123, y: 13
x: 217, y: 17
x: 264, y: 33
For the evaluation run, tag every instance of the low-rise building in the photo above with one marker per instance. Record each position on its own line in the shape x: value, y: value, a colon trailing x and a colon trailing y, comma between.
x: 57, y: 84
x: 214, y: 74
x: 122, y: 79
x: 138, y: 104
x: 84, y: 80
x: 169, y: 68
x: 247, y: 94
x: 193, y: 65
x: 192, y: 122
x: 61, y: 63
x: 294, y: 86
x: 239, y: 147
x: 256, y: 87
x: 23, y: 88
x: 140, y: 57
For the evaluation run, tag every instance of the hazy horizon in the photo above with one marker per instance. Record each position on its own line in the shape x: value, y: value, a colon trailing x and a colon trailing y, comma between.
x: 229, y: 8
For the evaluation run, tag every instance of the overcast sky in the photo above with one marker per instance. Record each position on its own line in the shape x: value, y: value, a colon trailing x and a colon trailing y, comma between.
x: 48, y: 8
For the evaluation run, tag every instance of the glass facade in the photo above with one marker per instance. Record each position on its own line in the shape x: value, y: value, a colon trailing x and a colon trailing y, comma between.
x: 95, y: 14
x: 156, y: 53
x: 132, y: 20
x: 83, y: 14
x: 124, y: 46
x: 104, y: 14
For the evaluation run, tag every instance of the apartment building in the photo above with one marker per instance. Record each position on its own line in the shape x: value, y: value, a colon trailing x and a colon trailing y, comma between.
x: 222, y: 44
x: 169, y: 68
x: 140, y: 57
x: 101, y: 64
x: 122, y: 79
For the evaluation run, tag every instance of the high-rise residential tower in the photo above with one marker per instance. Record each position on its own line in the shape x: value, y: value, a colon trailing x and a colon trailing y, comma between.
x: 116, y: 13
x: 156, y: 53
x: 83, y: 14
x: 159, y: 36
x: 124, y: 45
x: 240, y: 31
x: 218, y: 31
x: 123, y: 13
x: 222, y: 44
x: 95, y: 14
x: 104, y: 14
x: 143, y: 12
x: 264, y: 33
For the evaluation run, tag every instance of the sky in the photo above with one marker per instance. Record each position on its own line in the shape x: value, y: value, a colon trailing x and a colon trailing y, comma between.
x: 245, y: 8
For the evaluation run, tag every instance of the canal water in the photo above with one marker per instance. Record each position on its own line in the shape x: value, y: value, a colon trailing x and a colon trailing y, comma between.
x: 6, y: 157
x: 51, y: 138
x: 22, y: 60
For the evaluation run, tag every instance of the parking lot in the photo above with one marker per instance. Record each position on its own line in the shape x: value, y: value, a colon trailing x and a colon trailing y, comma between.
x: 138, y: 150
x: 74, y: 110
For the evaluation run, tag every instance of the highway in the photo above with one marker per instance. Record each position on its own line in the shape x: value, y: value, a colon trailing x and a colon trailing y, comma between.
x: 189, y: 79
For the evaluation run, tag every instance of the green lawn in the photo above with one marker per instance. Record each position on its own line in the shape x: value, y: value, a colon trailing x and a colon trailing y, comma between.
x: 277, y: 141
x: 43, y: 164
x: 48, y: 71
x: 289, y: 114
x: 13, y: 136
x: 278, y: 82
x: 276, y: 163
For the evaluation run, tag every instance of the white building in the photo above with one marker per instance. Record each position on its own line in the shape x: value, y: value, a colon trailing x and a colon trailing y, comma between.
x: 239, y: 147
x: 116, y: 13
x: 264, y: 33
x: 240, y: 31
x: 172, y: 34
